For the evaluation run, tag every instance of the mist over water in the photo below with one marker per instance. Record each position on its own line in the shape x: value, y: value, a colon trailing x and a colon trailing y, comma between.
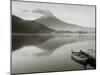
x: 38, y: 53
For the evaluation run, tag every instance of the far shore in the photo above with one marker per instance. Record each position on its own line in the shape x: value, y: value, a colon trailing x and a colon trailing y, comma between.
x: 52, y: 34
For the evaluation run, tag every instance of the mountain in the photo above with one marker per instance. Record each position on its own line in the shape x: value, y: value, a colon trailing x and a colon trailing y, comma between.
x: 22, y: 26
x: 53, y: 22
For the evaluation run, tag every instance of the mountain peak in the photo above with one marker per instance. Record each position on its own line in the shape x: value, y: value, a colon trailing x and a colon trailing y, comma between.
x: 55, y: 23
x: 23, y: 26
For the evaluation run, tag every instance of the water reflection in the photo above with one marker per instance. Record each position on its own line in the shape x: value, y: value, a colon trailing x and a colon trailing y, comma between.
x: 19, y: 41
x: 50, y: 45
x: 39, y: 53
x: 47, y: 43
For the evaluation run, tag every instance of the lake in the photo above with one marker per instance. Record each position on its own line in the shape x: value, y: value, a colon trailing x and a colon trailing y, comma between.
x: 41, y: 53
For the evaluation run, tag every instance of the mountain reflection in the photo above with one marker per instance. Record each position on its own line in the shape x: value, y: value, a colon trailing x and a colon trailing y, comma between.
x: 50, y: 45
x: 47, y: 43
x: 19, y: 41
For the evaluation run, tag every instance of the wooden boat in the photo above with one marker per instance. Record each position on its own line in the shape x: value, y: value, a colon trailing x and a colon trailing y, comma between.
x: 80, y: 58
x: 91, y: 57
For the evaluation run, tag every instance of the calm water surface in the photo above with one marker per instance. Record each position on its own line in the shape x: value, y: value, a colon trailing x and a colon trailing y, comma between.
x: 39, y: 53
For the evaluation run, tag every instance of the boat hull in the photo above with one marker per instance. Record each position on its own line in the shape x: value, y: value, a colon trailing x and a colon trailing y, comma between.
x: 82, y: 59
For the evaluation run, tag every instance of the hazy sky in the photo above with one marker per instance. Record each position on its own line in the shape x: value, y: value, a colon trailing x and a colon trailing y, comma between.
x: 80, y: 15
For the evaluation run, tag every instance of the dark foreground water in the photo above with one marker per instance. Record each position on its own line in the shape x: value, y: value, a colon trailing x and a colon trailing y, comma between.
x: 41, y: 53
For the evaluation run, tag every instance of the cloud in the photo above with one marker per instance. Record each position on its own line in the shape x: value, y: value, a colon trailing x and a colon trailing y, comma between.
x: 43, y: 12
x: 25, y: 10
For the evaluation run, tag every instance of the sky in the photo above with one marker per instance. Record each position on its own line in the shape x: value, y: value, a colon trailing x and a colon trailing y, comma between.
x: 75, y: 14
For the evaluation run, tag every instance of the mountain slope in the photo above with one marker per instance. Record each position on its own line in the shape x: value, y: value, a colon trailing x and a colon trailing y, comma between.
x: 53, y: 22
x: 22, y: 26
